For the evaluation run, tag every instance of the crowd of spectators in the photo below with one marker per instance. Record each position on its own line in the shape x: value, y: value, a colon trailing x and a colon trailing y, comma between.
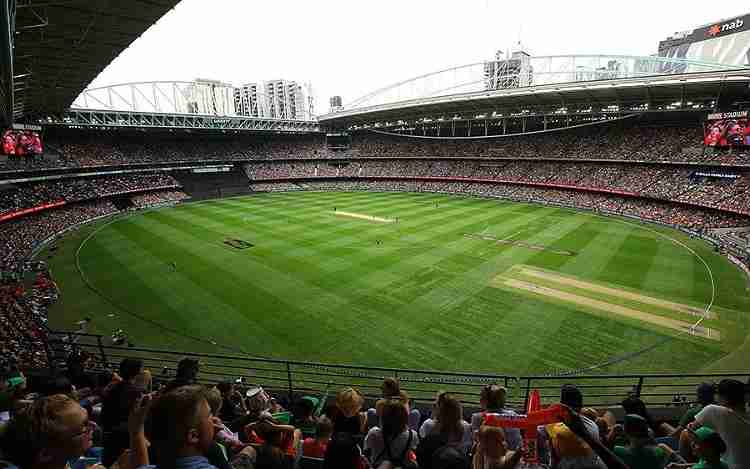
x: 22, y: 320
x: 694, y: 218
x: 661, y: 183
x: 630, y: 141
x: 100, y: 149
x: 28, y: 195
x: 157, y: 198
x: 674, y: 143
x: 130, y: 418
x: 19, y: 237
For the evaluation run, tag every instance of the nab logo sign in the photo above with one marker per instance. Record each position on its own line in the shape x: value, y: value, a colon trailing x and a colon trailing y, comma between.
x: 716, y: 29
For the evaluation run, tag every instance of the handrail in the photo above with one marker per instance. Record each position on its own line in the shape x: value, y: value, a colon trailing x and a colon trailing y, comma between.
x: 296, y: 377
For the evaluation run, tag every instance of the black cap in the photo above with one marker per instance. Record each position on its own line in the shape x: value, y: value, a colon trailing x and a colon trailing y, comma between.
x: 571, y: 396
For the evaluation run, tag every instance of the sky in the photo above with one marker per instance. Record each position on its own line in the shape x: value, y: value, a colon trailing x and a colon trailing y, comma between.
x: 350, y: 48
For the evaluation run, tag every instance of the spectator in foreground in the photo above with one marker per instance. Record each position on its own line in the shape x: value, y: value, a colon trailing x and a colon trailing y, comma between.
x: 232, y: 406
x: 187, y: 374
x: 576, y: 425
x: 708, y: 446
x: 730, y: 420
x: 634, y: 405
x: 316, y: 447
x: 641, y: 452
x: 181, y: 430
x: 391, y: 389
x: 116, y: 407
x: 393, y: 441
x: 561, y: 447
x: 344, y: 453
x: 305, y: 415
x: 492, y: 401
x: 448, y: 422
x: 704, y: 395
x: 492, y: 451
x: 228, y: 440
x: 346, y: 415
x: 47, y: 435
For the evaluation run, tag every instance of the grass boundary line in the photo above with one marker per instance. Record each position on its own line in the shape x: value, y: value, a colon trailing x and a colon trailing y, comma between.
x: 606, y: 216
x: 138, y: 316
x: 625, y: 357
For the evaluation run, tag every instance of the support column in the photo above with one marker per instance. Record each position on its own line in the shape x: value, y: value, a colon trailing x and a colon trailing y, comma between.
x: 7, y: 13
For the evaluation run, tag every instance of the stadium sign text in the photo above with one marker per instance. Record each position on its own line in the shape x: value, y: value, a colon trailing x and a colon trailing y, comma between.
x: 716, y: 175
x: 717, y: 29
x: 727, y: 115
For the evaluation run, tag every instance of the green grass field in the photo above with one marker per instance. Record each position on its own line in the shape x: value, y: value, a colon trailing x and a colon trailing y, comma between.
x: 318, y: 286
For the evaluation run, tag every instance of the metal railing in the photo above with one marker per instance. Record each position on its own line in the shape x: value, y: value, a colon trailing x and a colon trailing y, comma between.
x: 295, y: 378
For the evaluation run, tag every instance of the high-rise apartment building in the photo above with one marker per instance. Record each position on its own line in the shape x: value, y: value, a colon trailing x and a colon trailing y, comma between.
x: 249, y: 101
x: 210, y: 97
x: 286, y: 100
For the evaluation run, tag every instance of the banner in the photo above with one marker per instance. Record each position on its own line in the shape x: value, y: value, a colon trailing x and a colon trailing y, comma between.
x: 20, y: 143
x: 26, y: 211
x: 729, y: 129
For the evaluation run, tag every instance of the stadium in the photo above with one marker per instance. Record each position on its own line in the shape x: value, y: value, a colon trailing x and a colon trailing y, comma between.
x: 529, y: 222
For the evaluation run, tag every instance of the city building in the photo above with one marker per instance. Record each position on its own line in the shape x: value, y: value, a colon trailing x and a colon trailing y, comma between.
x: 514, y: 72
x: 336, y: 103
x: 210, y: 97
x: 286, y: 100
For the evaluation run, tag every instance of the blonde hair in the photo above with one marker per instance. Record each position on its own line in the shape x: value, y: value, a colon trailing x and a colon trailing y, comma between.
x: 492, y: 441
x: 215, y: 400
x: 349, y: 401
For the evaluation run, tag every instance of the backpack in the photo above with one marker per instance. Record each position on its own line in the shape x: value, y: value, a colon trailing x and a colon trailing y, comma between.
x: 407, y: 460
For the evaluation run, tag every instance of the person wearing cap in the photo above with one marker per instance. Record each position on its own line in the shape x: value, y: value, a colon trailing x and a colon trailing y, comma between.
x: 492, y: 402
x: 708, y: 446
x: 641, y: 451
x: 704, y: 395
x: 12, y: 390
x: 305, y: 418
x: 730, y: 420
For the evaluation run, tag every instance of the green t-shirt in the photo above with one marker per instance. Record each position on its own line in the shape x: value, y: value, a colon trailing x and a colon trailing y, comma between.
x: 646, y: 457
x: 689, y: 415
x: 704, y: 465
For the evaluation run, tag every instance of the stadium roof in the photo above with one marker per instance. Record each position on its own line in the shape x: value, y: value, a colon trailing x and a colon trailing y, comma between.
x: 655, y: 91
x: 60, y: 46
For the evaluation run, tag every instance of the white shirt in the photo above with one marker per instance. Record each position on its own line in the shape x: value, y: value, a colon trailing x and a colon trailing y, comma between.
x: 734, y: 428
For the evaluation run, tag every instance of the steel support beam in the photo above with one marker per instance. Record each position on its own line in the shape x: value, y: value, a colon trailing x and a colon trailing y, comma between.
x: 125, y: 119
x: 7, y: 24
